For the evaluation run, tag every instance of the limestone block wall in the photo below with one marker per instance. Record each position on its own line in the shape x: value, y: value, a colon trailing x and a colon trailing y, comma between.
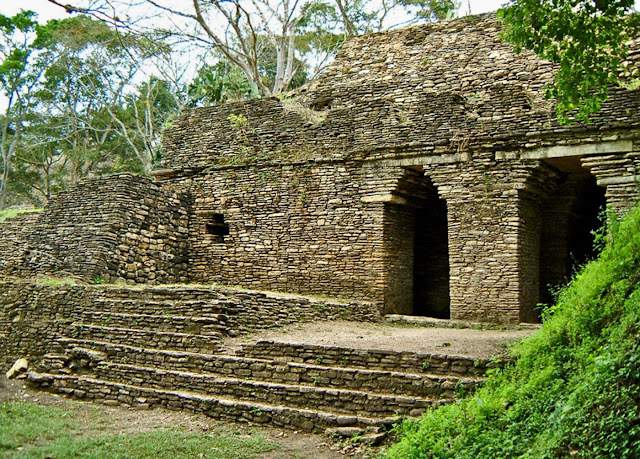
x: 304, y: 227
x: 13, y: 239
x: 348, y: 229
x: 33, y: 316
x: 449, y: 88
x: 117, y: 228
x: 372, y: 359
x: 399, y: 263
x: 487, y: 237
x: 620, y: 174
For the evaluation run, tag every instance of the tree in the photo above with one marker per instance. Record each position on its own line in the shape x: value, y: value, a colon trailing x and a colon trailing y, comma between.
x: 83, y: 99
x: 587, y: 39
x: 249, y: 32
x: 99, y: 98
x: 17, y: 83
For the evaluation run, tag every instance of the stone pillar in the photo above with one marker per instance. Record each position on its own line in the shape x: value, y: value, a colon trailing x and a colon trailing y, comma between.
x: 494, y: 236
x: 620, y: 174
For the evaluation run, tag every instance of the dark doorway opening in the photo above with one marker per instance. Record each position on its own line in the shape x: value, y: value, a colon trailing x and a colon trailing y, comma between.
x: 418, y: 248
x: 570, y: 215
x: 431, y: 259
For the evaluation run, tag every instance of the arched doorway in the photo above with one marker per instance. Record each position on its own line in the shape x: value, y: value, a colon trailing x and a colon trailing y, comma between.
x: 416, y: 239
x: 570, y: 215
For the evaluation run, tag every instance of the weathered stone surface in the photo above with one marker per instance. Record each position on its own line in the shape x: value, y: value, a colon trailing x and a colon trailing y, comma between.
x: 423, y: 172
x: 35, y: 315
x: 19, y: 367
x: 344, y: 432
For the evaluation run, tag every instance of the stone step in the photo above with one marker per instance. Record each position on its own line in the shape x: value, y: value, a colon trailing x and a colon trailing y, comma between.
x: 161, y: 307
x: 53, y: 363
x: 208, y: 325
x: 164, y: 293
x: 225, y: 409
x: 343, y: 401
x: 372, y: 359
x: 245, y: 310
x: 268, y: 370
x: 146, y: 338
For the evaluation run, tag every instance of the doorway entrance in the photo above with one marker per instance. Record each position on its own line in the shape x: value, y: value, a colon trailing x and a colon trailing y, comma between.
x: 570, y: 215
x: 416, y: 238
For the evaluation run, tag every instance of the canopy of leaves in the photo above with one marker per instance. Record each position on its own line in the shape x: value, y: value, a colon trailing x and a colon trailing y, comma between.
x: 587, y: 39
x: 574, y: 390
x: 81, y: 102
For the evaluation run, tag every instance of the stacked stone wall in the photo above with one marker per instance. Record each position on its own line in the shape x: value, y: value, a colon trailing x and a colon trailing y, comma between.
x: 448, y: 88
x: 330, y: 228
x: 118, y: 228
x: 485, y: 229
x: 13, y: 244
x: 305, y: 228
x: 620, y: 174
x: 385, y: 360
x: 399, y: 260
x: 34, y: 316
x: 319, y: 195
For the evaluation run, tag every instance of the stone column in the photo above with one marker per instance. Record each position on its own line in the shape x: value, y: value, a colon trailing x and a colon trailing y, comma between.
x: 494, y: 236
x: 620, y: 174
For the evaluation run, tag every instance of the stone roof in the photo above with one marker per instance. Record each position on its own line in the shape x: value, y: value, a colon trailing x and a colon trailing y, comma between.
x: 464, y: 57
x: 438, y: 88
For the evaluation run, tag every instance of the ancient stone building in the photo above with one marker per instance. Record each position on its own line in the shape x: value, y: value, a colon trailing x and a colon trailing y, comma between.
x: 423, y: 172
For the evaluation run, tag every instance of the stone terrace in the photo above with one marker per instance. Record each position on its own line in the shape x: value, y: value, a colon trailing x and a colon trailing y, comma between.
x: 148, y: 347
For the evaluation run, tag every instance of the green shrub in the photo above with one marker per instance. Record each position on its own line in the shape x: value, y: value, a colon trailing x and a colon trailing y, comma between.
x: 575, y: 388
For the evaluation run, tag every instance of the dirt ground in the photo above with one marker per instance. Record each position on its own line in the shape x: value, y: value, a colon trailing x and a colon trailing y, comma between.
x: 476, y: 343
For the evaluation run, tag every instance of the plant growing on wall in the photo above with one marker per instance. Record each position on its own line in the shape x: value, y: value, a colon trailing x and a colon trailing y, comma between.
x: 588, y: 40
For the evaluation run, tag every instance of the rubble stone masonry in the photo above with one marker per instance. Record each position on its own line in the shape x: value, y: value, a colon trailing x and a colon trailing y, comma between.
x: 423, y: 172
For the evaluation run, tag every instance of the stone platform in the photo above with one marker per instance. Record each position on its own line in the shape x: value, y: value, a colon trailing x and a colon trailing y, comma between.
x: 231, y: 355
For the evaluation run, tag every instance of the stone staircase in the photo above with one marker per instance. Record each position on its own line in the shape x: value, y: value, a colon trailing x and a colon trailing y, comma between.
x: 146, y: 354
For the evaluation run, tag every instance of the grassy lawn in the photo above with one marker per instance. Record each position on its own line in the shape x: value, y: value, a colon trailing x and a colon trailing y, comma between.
x: 8, y: 213
x: 30, y: 430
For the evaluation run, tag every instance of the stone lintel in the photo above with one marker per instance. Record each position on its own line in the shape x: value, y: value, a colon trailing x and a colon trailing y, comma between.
x: 163, y: 173
x: 559, y: 151
x: 425, y: 160
x: 386, y: 198
x: 628, y: 180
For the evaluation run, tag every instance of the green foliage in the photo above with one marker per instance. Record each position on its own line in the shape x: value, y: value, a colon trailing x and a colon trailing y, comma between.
x: 587, y: 40
x: 575, y: 388
x: 237, y: 121
x: 219, y: 83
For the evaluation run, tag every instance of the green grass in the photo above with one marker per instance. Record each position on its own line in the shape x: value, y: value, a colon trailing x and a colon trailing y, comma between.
x: 57, y: 281
x: 9, y: 213
x: 32, y: 431
x: 575, y: 388
x: 25, y: 423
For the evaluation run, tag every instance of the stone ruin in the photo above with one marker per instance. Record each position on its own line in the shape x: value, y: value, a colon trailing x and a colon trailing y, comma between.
x: 424, y: 171
x: 416, y: 173
x: 423, y: 174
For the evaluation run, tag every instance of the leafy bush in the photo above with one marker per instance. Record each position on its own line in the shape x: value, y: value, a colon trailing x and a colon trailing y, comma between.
x: 575, y: 388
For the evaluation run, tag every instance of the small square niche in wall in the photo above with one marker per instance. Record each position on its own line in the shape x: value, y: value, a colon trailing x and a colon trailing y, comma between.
x: 216, y: 228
